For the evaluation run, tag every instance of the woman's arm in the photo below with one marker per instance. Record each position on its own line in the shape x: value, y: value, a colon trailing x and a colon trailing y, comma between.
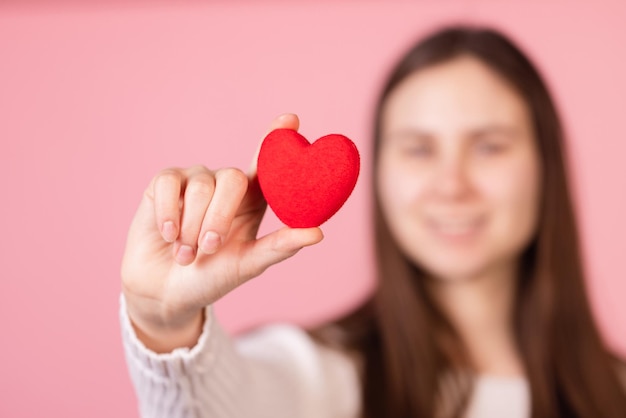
x: 275, y: 371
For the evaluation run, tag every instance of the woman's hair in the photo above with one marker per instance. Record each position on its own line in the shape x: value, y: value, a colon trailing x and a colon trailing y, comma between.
x: 411, y: 354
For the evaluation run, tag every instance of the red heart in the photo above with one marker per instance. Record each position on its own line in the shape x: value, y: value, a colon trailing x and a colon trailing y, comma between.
x: 305, y: 184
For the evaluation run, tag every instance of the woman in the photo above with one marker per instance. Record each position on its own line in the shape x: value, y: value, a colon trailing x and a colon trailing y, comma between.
x: 480, y: 309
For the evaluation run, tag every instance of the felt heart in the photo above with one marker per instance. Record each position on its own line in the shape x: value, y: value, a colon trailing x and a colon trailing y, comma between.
x: 305, y: 184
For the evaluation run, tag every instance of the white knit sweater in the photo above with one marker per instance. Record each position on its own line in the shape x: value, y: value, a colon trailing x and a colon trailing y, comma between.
x: 275, y: 371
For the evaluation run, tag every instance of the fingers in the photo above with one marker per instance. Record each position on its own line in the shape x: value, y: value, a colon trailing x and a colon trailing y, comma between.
x: 166, y: 189
x: 284, y: 121
x: 230, y: 187
x: 195, y: 207
x: 198, y: 194
x: 276, y: 247
x: 210, y: 201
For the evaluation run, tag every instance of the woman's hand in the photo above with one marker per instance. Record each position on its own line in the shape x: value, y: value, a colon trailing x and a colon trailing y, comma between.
x: 192, y: 240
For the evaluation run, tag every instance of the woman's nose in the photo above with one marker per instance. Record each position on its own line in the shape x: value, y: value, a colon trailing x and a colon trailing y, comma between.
x: 452, y: 180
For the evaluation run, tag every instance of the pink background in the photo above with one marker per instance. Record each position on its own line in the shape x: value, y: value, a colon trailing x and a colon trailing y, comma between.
x: 95, y: 100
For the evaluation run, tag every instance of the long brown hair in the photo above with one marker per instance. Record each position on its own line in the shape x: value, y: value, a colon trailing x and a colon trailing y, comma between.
x: 406, y: 345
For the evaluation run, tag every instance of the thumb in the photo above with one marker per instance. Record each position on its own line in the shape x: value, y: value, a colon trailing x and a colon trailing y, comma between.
x: 276, y: 247
x: 284, y: 121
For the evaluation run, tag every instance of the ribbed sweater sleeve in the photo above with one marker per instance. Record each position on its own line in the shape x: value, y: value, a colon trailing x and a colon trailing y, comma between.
x: 275, y: 371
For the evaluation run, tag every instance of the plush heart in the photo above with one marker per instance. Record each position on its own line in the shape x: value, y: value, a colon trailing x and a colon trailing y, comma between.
x: 305, y: 184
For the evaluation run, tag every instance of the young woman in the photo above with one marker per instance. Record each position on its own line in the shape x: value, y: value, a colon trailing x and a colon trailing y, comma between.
x: 480, y: 310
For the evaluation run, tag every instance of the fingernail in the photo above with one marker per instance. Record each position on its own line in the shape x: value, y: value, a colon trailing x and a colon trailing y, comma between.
x: 210, y: 242
x: 169, y: 231
x: 185, y: 253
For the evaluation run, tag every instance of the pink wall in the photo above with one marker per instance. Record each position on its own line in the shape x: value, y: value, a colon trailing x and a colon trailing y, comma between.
x: 95, y: 100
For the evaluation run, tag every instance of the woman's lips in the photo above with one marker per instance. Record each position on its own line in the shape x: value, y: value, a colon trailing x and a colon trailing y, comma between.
x: 457, y: 228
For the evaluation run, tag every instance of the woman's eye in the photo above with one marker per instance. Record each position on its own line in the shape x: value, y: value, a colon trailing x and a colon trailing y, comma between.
x: 489, y: 147
x: 418, y: 150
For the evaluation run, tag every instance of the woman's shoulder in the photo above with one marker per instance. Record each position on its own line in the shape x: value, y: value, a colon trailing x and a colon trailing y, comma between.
x: 296, y: 342
x: 340, y: 340
x: 298, y: 351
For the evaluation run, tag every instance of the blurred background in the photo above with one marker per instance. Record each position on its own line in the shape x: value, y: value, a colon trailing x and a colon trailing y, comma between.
x: 97, y: 97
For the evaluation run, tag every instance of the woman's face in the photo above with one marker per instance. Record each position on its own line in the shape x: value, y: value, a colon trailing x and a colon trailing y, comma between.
x: 459, y: 174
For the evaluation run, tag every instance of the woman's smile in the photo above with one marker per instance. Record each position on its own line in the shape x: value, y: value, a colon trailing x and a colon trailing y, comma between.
x: 456, y: 230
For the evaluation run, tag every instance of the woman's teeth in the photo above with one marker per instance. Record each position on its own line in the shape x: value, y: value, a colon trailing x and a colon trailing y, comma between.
x: 457, y: 227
